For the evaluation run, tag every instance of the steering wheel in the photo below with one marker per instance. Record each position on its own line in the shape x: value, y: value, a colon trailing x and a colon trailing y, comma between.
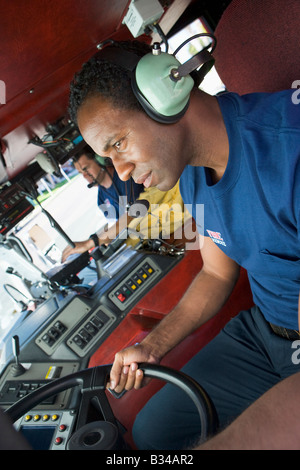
x: 104, y: 435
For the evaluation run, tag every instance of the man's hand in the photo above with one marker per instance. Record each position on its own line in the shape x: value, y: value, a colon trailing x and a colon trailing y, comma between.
x: 125, y: 373
x: 80, y: 247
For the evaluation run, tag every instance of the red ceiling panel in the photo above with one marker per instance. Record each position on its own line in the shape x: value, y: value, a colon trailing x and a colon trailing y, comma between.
x: 42, y: 44
x: 41, y: 36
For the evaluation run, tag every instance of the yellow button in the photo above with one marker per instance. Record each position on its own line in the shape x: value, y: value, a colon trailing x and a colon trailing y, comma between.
x: 133, y: 287
x: 27, y: 417
x: 150, y: 270
x: 145, y: 276
x: 139, y: 281
x: 36, y: 418
x: 54, y: 417
x: 46, y: 417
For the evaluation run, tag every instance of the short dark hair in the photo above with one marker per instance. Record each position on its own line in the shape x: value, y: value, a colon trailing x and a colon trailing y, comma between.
x: 87, y: 151
x: 110, y: 80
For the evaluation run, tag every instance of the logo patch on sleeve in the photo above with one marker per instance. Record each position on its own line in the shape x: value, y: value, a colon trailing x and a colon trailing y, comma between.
x: 216, y: 237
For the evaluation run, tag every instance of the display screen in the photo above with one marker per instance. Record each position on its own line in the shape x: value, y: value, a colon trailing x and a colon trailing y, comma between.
x: 39, y: 437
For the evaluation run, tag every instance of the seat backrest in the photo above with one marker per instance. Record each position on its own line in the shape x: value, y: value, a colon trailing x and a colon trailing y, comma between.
x: 258, y: 46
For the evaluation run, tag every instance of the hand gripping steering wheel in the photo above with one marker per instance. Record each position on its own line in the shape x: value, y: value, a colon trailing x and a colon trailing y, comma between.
x: 104, y: 435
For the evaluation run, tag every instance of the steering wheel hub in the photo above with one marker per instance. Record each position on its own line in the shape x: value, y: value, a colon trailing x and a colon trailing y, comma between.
x: 99, y: 435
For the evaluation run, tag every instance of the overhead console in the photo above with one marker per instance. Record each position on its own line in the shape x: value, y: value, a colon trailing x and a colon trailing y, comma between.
x: 61, y: 141
x: 13, y: 207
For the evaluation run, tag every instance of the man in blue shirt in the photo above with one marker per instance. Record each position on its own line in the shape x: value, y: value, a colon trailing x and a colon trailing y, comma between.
x: 113, y: 195
x: 112, y: 192
x: 252, y: 213
x: 240, y: 157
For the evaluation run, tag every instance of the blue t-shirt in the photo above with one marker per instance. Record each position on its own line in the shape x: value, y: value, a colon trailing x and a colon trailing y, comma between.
x: 253, y: 212
x: 112, y: 201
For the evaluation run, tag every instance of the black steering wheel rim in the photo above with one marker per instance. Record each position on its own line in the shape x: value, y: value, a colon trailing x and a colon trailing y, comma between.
x: 94, y: 380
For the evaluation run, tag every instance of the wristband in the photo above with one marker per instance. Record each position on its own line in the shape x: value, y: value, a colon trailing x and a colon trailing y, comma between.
x: 95, y: 239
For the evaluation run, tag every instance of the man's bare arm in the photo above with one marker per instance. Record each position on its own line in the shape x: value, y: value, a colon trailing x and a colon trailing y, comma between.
x: 105, y: 237
x: 204, y: 298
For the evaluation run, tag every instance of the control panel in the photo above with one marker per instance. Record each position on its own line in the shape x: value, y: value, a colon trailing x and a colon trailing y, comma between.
x: 13, y: 387
x: 58, y: 338
x: 13, y: 207
x: 48, y: 426
x: 45, y: 430
x: 88, y: 323
x: 88, y: 334
x: 134, y: 284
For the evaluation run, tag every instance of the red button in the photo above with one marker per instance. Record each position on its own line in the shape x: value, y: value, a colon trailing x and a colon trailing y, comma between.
x: 121, y: 297
x: 58, y: 441
x: 62, y: 427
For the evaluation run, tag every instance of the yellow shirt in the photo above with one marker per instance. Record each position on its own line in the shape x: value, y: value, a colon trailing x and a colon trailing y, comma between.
x: 166, y: 214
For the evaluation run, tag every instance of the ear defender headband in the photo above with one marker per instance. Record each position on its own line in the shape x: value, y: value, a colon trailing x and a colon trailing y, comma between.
x: 161, y: 84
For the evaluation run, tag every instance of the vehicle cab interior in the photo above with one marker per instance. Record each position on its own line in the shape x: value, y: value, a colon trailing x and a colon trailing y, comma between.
x: 58, y: 345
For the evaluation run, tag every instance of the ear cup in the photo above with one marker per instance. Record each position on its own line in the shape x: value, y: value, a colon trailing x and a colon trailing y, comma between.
x: 163, y: 98
x: 101, y: 160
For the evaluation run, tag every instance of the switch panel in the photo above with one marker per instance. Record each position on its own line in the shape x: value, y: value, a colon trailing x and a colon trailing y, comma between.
x: 79, y: 326
x: 90, y: 331
x: 134, y: 284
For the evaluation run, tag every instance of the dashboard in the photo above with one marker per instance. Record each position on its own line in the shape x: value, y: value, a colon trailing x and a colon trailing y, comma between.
x: 61, y: 335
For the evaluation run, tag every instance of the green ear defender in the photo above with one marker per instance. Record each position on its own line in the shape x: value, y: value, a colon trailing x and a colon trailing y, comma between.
x: 159, y: 81
x: 163, y: 98
x: 103, y: 161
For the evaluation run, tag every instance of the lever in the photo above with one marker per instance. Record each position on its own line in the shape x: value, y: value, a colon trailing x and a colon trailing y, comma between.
x: 98, y: 257
x: 17, y: 368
